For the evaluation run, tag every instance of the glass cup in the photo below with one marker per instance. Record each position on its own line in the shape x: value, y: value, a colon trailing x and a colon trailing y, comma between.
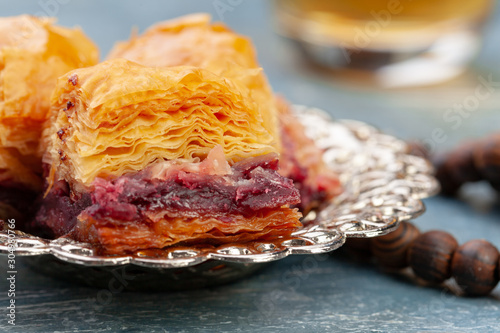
x: 400, y: 42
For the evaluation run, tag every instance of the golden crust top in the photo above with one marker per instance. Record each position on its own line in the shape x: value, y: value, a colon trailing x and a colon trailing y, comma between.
x: 188, y: 40
x: 119, y: 116
x: 193, y: 40
x: 33, y: 54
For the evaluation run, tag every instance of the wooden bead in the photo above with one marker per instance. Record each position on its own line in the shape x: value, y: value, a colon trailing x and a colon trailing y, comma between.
x: 487, y: 159
x: 357, y: 249
x: 430, y: 255
x: 457, y: 168
x: 475, y: 267
x: 391, y: 250
x: 498, y: 268
x: 358, y: 244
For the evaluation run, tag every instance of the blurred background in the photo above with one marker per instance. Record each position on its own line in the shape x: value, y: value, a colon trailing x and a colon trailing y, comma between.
x: 341, y: 56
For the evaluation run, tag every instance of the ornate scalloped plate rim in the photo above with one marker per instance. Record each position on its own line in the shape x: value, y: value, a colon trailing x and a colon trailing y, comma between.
x: 320, y: 236
x: 70, y: 251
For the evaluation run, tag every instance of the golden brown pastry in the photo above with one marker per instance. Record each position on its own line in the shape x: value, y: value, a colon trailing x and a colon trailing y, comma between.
x: 119, y: 117
x: 193, y: 40
x: 146, y: 157
x: 189, y: 40
x: 33, y: 54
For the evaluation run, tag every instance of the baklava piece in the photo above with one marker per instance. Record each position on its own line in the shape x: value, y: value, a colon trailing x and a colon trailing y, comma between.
x: 194, y: 40
x: 33, y: 54
x: 143, y: 157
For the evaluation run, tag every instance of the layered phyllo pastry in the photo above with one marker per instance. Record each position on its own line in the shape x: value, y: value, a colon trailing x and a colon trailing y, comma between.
x: 193, y: 40
x: 33, y: 54
x: 143, y: 157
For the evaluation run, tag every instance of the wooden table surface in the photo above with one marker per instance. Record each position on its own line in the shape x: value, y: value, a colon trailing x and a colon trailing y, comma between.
x: 327, y: 293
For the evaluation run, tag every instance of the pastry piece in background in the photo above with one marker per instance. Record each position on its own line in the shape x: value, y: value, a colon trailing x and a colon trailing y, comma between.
x: 302, y: 161
x: 19, y: 186
x: 33, y: 54
x: 189, y: 40
x: 144, y: 157
x: 193, y: 40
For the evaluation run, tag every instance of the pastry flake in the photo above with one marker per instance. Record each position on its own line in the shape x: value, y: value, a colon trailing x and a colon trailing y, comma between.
x: 119, y: 117
x: 33, y: 54
x: 192, y: 40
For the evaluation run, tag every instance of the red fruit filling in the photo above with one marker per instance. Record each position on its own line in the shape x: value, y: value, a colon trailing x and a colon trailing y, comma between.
x: 174, y: 201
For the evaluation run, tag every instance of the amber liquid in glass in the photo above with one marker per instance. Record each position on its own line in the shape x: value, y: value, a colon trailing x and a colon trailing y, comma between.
x: 371, y: 33
x: 381, y: 24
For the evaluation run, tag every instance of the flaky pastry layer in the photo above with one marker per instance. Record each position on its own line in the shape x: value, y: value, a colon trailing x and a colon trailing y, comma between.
x: 174, y: 202
x: 15, y: 173
x: 193, y: 40
x: 188, y: 40
x: 116, y: 237
x: 33, y: 54
x: 119, y: 117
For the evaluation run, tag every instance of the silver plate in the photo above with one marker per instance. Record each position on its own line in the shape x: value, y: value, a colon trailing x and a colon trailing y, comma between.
x: 382, y: 185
